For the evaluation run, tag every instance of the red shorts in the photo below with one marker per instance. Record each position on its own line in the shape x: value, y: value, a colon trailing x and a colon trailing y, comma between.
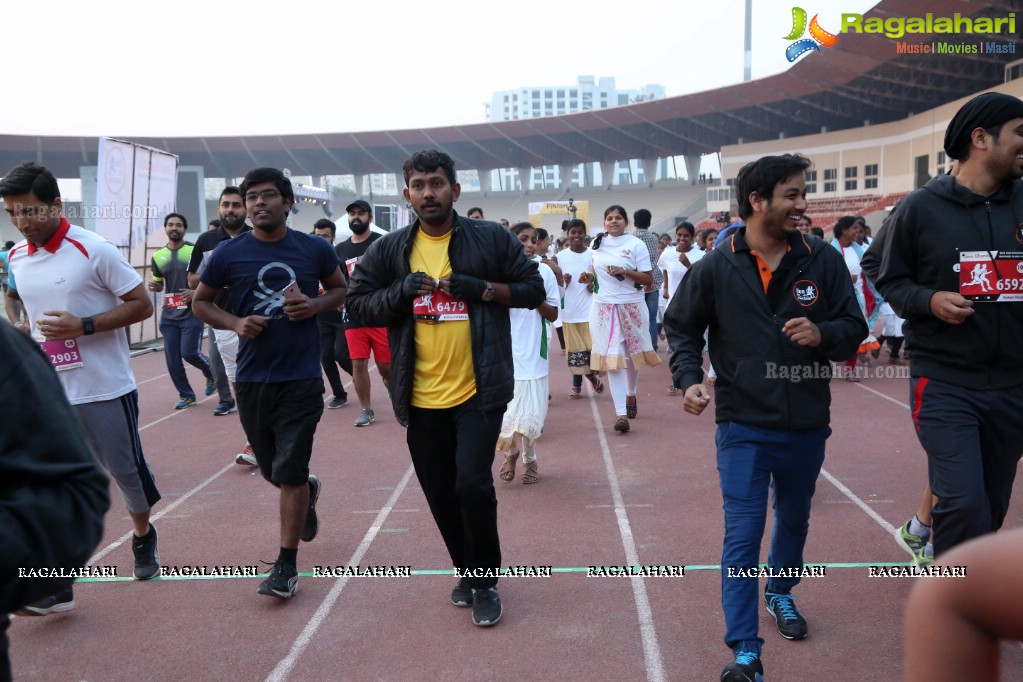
x: 362, y: 339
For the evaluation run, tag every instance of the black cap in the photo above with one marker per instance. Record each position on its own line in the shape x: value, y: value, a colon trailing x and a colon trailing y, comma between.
x: 364, y: 205
x: 983, y: 111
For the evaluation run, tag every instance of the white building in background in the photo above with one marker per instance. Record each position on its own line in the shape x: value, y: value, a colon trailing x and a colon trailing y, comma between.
x: 588, y: 94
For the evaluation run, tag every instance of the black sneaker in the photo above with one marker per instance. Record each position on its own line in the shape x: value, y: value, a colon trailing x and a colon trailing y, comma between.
x: 337, y: 402
x: 225, y: 407
x: 312, y: 524
x: 462, y: 594
x: 486, y: 607
x: 281, y: 583
x: 745, y: 668
x: 55, y: 603
x: 147, y: 558
x: 791, y: 624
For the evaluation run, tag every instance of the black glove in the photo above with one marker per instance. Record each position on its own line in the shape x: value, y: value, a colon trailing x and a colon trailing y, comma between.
x: 412, y: 284
x: 467, y: 287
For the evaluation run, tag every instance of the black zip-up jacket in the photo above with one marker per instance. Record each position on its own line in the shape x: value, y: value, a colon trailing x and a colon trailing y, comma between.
x: 763, y: 378
x: 919, y: 256
x: 478, y: 248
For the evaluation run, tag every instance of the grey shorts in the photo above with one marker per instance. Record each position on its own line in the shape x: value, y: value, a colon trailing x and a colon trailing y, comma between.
x: 113, y: 430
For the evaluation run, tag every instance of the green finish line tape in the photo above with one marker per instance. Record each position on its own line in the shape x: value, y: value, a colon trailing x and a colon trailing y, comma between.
x: 175, y: 574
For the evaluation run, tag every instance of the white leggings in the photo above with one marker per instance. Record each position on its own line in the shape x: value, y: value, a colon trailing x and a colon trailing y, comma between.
x: 623, y: 382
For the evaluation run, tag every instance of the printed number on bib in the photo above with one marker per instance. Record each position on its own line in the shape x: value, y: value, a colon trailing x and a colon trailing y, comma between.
x: 175, y: 302
x: 991, y: 276
x: 64, y: 355
x: 439, y: 307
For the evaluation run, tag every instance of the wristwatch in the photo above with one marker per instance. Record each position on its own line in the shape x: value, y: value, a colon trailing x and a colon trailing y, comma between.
x: 87, y: 327
x: 488, y: 293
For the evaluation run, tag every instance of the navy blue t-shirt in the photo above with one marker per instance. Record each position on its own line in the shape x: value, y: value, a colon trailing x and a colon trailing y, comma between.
x: 256, y: 273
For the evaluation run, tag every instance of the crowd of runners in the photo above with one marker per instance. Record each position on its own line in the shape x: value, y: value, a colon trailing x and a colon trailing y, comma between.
x: 461, y: 318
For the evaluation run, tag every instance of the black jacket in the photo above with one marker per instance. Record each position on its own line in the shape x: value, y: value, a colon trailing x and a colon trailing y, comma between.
x: 764, y: 379
x: 478, y: 248
x: 53, y: 494
x: 918, y: 254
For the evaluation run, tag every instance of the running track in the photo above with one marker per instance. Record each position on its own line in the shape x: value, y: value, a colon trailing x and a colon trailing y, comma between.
x: 650, y: 497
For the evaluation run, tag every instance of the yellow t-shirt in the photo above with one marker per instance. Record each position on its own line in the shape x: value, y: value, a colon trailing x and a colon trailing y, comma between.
x: 444, y: 375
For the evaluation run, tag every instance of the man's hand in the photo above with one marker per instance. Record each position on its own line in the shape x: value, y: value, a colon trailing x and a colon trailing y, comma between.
x: 298, y: 308
x: 950, y: 307
x: 465, y: 287
x: 418, y: 284
x: 802, y: 332
x: 587, y: 278
x: 155, y: 286
x: 566, y: 279
x: 250, y: 327
x: 64, y: 326
x: 186, y: 295
x: 696, y: 398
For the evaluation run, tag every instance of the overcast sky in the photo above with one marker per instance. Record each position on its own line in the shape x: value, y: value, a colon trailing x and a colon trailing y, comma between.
x: 186, y: 67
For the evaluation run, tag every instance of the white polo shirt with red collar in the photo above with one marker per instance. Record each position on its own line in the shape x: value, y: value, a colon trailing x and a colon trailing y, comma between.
x: 80, y: 272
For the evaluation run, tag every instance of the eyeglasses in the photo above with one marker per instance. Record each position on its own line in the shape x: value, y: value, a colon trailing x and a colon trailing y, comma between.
x: 265, y: 195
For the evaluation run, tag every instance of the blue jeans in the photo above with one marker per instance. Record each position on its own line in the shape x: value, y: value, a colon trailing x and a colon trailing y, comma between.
x: 752, y: 460
x: 651, y: 306
x: 182, y: 340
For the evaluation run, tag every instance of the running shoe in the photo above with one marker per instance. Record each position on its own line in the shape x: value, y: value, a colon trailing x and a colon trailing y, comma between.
x: 211, y: 386
x: 366, y: 418
x: 486, y: 607
x: 225, y: 407
x: 461, y: 595
x: 745, y: 668
x: 791, y: 623
x: 147, y: 558
x: 246, y: 457
x: 55, y: 603
x: 282, y: 581
x: 337, y: 402
x: 312, y: 523
x: 184, y: 402
x: 914, y: 544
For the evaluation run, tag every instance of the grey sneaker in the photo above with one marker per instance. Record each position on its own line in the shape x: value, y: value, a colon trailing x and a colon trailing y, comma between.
x: 337, y: 402
x: 366, y: 418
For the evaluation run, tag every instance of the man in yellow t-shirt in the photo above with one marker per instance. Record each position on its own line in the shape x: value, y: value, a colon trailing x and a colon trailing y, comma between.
x: 442, y: 286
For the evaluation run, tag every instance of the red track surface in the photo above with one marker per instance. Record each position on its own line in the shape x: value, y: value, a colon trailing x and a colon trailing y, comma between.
x: 566, y: 627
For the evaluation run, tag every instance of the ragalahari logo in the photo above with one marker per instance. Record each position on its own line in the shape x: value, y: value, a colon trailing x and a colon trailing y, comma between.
x: 818, y: 36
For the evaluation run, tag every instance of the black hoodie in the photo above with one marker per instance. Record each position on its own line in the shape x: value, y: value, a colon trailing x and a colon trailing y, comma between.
x: 919, y: 256
x: 764, y: 379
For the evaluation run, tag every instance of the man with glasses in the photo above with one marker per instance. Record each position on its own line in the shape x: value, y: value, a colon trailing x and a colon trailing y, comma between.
x: 273, y: 275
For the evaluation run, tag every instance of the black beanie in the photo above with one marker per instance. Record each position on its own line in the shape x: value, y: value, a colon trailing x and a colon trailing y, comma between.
x: 983, y: 111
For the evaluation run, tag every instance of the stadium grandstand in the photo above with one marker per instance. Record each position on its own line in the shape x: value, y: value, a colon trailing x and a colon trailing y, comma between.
x: 829, y: 106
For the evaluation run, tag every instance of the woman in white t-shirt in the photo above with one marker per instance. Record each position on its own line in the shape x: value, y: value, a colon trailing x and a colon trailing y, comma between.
x: 576, y: 262
x: 675, y: 263
x: 619, y: 318
x: 531, y: 340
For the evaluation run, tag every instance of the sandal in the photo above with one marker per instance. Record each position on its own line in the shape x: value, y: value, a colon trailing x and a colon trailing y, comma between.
x: 575, y: 394
x: 530, y: 474
x: 508, y: 468
x: 673, y: 390
x: 595, y: 381
x: 622, y: 425
x: 631, y: 408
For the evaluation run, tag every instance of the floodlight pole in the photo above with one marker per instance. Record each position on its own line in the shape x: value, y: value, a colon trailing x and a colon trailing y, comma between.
x: 748, y: 44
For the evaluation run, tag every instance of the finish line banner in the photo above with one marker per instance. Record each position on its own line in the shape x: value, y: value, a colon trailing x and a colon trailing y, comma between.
x: 554, y: 212
x: 136, y: 186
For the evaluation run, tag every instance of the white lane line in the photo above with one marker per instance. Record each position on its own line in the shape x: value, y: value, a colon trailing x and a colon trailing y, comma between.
x: 648, y: 634
x: 146, y: 381
x: 156, y: 517
x: 287, y: 664
x: 850, y: 494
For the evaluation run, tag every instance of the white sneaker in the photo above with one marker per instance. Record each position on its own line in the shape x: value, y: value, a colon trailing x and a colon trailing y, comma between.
x: 246, y: 457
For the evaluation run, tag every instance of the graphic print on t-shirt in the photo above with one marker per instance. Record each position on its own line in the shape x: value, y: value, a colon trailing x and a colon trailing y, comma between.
x: 271, y: 301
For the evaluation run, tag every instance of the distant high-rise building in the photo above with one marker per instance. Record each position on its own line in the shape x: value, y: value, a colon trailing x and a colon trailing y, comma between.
x: 587, y: 94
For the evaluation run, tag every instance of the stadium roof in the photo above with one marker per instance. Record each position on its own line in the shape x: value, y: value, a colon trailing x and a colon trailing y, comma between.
x: 859, y: 79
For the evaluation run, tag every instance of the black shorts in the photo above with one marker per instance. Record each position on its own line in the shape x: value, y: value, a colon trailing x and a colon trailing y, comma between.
x: 280, y: 420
